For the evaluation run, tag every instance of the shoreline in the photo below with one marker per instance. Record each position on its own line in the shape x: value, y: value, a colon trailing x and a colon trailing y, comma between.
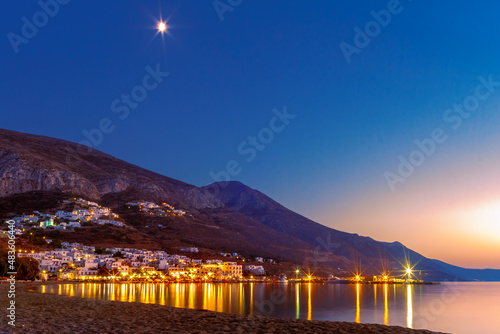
x: 121, y: 281
x: 50, y: 313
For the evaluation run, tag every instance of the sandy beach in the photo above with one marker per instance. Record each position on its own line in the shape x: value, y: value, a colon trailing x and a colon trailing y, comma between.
x: 45, y: 313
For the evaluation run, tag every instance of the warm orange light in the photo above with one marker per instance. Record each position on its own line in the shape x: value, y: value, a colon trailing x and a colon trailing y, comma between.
x: 162, y: 27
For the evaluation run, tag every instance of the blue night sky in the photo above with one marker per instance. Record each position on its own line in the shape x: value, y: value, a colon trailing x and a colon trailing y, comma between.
x: 353, y: 120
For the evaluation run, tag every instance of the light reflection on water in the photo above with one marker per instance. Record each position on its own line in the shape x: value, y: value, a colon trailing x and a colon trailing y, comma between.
x: 386, y: 305
x: 446, y: 307
x: 409, y: 307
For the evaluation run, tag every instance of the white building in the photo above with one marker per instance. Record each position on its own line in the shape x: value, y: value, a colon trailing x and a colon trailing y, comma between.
x: 232, y: 269
x: 74, y: 224
x: 256, y: 270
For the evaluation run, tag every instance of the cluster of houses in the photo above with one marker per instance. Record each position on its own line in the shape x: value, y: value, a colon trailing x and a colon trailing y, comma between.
x: 162, y: 210
x: 93, y: 213
x: 65, y: 220
x: 76, y: 261
x: 88, y: 212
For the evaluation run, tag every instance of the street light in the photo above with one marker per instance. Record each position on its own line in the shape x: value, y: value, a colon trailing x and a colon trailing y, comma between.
x: 409, y: 273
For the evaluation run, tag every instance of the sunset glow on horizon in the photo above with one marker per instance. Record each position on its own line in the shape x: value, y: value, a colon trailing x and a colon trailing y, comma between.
x: 456, y: 222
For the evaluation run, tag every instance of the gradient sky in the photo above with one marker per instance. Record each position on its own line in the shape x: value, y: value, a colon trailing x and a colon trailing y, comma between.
x: 353, y: 120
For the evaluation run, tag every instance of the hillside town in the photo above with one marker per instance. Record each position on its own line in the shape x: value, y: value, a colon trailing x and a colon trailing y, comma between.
x: 151, y: 208
x: 87, y: 212
x: 75, y: 261
x: 83, y: 212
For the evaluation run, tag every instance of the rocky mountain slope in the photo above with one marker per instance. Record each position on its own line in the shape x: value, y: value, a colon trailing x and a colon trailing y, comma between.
x: 37, y: 163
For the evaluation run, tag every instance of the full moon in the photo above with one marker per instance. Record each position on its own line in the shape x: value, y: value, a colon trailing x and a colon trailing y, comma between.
x: 162, y: 27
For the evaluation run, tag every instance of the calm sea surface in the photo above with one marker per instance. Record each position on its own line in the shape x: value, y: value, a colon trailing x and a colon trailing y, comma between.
x: 449, y: 307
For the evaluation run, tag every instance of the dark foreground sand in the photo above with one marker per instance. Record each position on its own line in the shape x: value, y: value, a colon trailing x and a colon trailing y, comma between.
x: 44, y: 313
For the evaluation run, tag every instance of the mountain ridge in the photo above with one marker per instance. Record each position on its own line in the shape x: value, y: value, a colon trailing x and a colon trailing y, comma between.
x: 222, y: 216
x: 36, y: 165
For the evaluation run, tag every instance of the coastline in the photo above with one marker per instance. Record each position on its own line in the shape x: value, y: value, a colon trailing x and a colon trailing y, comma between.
x: 47, y: 313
